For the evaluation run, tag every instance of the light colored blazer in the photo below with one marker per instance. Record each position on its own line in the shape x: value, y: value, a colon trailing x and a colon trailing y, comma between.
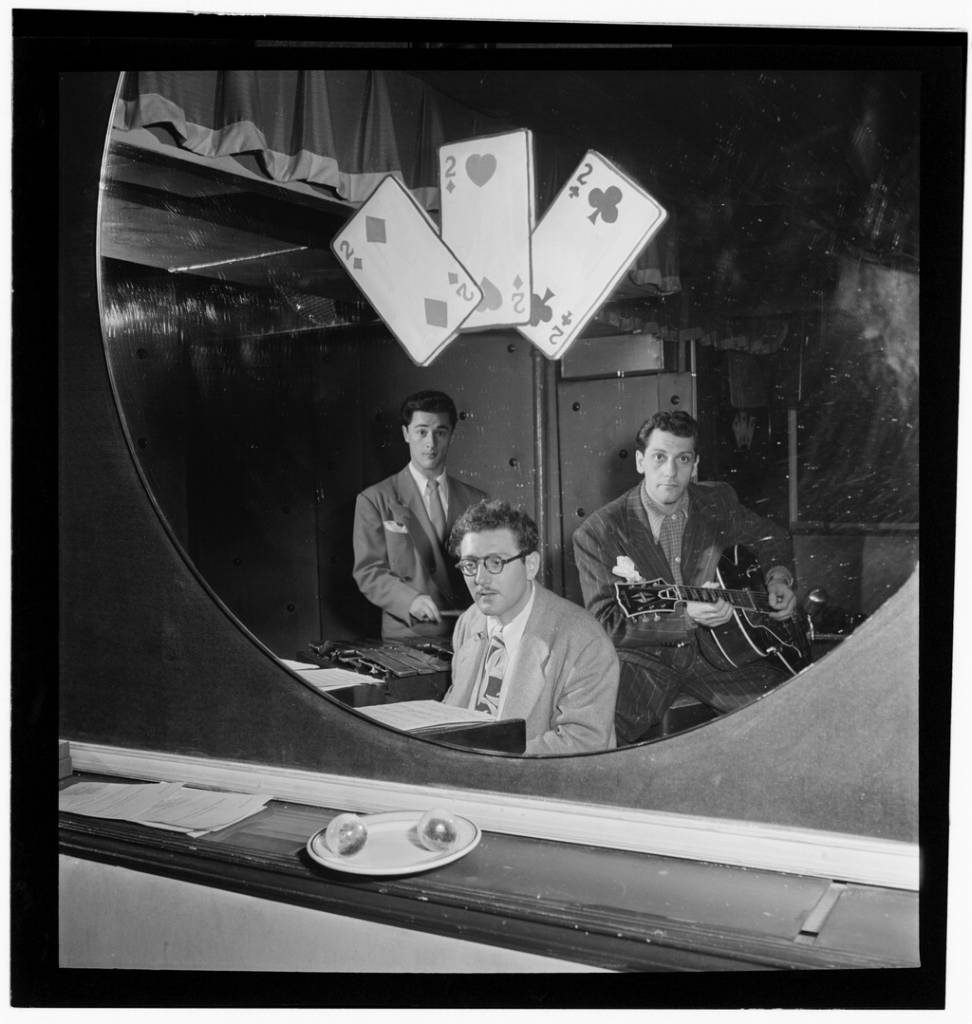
x: 397, y: 556
x: 565, y: 681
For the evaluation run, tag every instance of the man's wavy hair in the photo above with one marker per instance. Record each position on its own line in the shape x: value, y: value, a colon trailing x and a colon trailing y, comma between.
x: 679, y: 423
x: 428, y: 401
x: 496, y: 515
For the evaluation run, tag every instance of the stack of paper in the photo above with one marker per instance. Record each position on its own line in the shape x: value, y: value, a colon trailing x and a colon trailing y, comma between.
x: 324, y: 679
x: 168, y: 805
x: 421, y: 714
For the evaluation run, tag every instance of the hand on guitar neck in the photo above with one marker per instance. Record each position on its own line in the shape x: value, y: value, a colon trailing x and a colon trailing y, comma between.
x: 744, y: 618
x: 780, y: 599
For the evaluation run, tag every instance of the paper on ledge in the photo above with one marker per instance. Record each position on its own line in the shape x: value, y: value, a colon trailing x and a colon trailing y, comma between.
x: 167, y: 805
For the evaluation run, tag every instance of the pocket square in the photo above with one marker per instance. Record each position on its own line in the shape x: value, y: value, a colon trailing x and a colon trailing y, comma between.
x: 392, y: 527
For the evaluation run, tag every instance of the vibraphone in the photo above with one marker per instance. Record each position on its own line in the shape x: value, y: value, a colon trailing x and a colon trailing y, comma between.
x: 414, y: 671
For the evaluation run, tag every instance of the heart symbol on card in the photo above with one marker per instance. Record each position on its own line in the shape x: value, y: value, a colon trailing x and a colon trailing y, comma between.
x: 480, y: 168
x: 491, y: 296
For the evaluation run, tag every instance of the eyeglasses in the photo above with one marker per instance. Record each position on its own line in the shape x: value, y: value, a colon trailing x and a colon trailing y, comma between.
x: 494, y: 564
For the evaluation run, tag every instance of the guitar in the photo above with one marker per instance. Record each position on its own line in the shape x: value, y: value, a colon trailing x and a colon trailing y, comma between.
x: 745, y: 638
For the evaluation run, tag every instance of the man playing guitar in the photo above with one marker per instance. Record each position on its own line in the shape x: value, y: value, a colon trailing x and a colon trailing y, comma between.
x: 672, y: 530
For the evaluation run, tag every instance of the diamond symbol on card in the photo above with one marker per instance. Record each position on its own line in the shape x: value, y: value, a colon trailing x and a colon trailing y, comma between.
x: 453, y: 277
x: 357, y: 263
x: 375, y: 229
x: 451, y: 187
x: 436, y: 313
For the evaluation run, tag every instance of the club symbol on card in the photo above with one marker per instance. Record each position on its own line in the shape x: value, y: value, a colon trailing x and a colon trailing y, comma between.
x: 453, y: 277
x: 436, y: 313
x: 491, y: 296
x: 357, y: 263
x: 480, y: 168
x: 605, y: 203
x: 539, y: 310
x: 567, y: 318
x: 574, y: 191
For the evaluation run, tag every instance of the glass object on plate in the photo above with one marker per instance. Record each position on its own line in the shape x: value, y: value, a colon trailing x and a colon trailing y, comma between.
x: 346, y: 835
x: 437, y: 830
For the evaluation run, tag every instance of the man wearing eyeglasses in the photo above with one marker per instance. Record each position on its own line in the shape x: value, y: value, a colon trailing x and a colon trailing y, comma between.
x: 521, y: 651
x: 402, y: 523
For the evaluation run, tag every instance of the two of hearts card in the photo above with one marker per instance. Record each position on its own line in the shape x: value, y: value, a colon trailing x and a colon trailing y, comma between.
x: 491, y: 266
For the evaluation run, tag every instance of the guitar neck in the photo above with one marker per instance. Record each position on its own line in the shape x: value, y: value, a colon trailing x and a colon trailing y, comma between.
x: 748, y: 599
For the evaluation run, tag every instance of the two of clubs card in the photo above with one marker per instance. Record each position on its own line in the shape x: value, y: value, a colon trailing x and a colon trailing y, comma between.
x: 415, y: 283
x: 592, y: 232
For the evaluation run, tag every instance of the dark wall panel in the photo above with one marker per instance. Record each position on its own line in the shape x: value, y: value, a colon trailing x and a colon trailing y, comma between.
x: 148, y: 658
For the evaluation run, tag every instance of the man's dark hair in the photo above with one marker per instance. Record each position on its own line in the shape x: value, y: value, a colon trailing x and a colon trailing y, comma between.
x: 495, y: 515
x: 429, y: 401
x: 679, y: 423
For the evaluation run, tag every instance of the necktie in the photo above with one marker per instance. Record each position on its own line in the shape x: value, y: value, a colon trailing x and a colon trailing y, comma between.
x: 670, y: 539
x: 436, y: 511
x: 493, y: 671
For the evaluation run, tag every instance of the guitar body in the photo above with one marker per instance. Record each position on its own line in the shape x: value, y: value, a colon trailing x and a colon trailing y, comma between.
x: 751, y: 635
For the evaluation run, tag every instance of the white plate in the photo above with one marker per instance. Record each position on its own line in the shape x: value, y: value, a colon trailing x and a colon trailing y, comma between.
x: 393, y: 847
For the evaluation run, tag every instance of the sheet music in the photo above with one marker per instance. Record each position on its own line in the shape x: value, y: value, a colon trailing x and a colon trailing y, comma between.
x: 419, y: 714
x: 324, y: 679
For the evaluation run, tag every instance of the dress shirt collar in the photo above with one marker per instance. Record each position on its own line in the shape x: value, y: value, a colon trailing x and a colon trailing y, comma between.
x: 422, y: 483
x: 512, y: 636
x: 512, y: 631
x: 656, y: 513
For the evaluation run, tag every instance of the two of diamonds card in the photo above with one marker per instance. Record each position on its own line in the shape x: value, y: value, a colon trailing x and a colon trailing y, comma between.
x: 587, y: 239
x: 487, y: 200
x: 411, y: 277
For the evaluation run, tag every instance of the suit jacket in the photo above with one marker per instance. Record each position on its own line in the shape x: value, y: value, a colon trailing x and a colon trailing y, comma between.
x: 397, y: 556
x: 565, y: 676
x: 716, y: 520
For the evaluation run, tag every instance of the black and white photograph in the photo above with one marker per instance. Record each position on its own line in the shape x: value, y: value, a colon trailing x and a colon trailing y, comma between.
x: 485, y: 469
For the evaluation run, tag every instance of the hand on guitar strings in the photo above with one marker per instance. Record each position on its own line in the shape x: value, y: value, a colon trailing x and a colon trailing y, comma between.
x: 781, y: 599
x: 709, y: 615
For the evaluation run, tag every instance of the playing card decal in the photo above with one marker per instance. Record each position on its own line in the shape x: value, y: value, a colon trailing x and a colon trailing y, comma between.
x: 605, y: 203
x: 589, y: 236
x: 491, y: 266
x: 487, y: 196
x: 375, y: 230
x: 491, y: 296
x: 436, y: 313
x: 411, y: 277
x: 540, y: 312
x: 480, y: 168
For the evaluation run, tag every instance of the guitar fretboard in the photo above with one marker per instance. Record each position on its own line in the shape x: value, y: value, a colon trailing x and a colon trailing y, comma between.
x: 753, y: 600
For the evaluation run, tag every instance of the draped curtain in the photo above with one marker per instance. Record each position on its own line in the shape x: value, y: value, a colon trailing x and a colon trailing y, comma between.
x: 344, y: 130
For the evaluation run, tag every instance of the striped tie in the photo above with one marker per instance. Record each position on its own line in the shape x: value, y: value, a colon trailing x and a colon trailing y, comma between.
x: 436, y: 511
x: 493, y: 671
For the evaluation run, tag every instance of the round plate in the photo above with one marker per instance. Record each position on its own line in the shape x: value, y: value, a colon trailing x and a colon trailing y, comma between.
x: 393, y: 847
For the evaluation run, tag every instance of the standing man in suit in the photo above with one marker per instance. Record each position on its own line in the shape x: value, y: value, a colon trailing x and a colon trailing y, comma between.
x: 521, y: 651
x: 672, y: 527
x: 402, y: 523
